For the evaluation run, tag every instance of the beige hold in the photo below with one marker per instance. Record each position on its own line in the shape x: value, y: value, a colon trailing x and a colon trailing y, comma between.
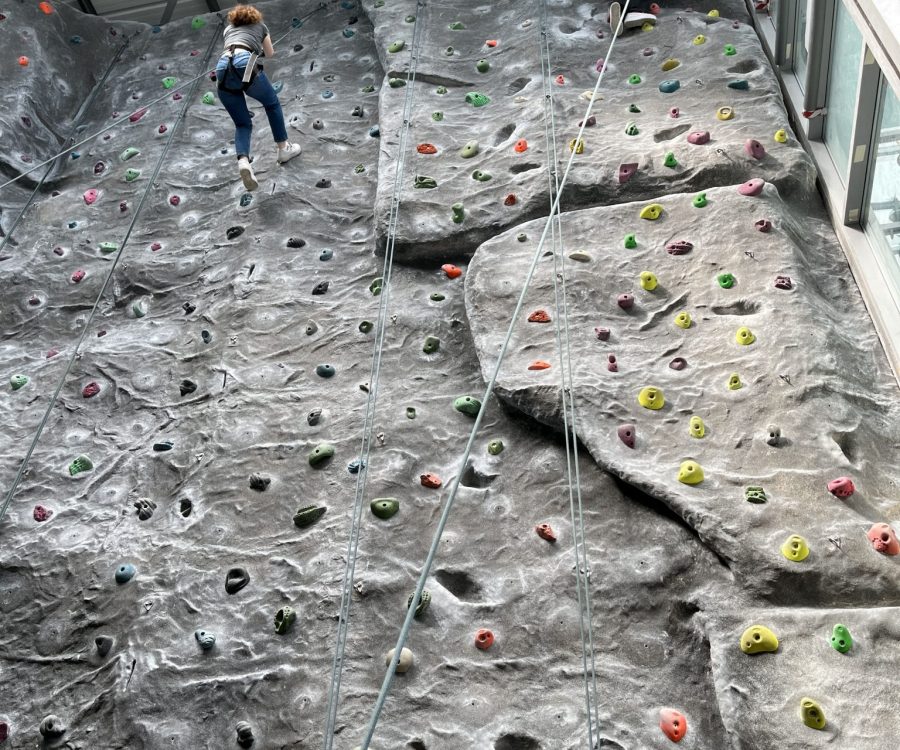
x: 406, y: 660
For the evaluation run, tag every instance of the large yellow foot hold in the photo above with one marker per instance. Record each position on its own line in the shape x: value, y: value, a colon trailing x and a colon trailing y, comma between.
x: 795, y: 548
x: 757, y: 639
x: 651, y: 398
x: 813, y: 715
x: 744, y: 336
x: 690, y: 473
x: 649, y: 282
x: 651, y: 212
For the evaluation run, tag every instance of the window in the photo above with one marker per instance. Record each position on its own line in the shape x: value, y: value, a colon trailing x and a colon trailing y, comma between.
x: 883, y: 215
x: 800, y: 53
x: 843, y: 83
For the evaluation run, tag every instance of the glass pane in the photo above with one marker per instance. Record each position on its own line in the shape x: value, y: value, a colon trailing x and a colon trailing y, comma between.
x: 843, y: 82
x: 883, y: 211
x: 800, y: 53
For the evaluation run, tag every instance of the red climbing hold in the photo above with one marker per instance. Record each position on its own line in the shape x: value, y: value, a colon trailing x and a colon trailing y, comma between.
x: 41, y: 513
x: 626, y: 171
x: 453, y: 272
x: 491, y: 43
x: 137, y: 114
x: 23, y: 61
x: 841, y: 487
x: 46, y: 8
x: 655, y: 9
x: 174, y: 200
x: 545, y: 531
x: 156, y: 246
x: 673, y: 724
x: 560, y: 80
x: 432, y: 481
x: 78, y: 276
x: 883, y: 539
x: 521, y: 146
x: 426, y: 148
x: 510, y: 200
x: 539, y: 316
x: 90, y: 390
x: 484, y: 639
x: 90, y: 196
x: 51, y: 353
x: 539, y: 364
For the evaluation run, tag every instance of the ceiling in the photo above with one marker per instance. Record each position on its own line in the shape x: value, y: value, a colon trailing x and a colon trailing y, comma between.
x: 147, y: 11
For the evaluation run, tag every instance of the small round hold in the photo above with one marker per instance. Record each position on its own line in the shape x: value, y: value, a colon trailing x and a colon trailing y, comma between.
x: 284, y: 618
x: 103, y: 644
x: 495, y: 447
x: 52, y: 727
x: 206, y: 639
x: 244, y: 734
x: 405, y: 662
x: 545, y: 532
x: 325, y: 371
x: 484, y: 639
x: 235, y: 580
x: 125, y: 573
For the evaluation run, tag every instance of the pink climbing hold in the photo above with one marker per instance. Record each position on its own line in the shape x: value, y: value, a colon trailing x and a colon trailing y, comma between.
x: 601, y: 64
x: 627, y: 434
x: 674, y: 112
x: 162, y: 129
x: 560, y: 80
x: 679, y: 363
x: 156, y: 246
x: 177, y: 96
x: 783, y: 282
x: 754, y: 148
x: 99, y: 168
x: 883, y: 539
x: 841, y: 487
x: 4, y: 727
x: 174, y: 200
x: 752, y: 187
x: 698, y: 137
x: 138, y: 114
x: 625, y: 301
x: 51, y: 353
x: 763, y: 225
x: 78, y: 276
x: 90, y: 390
x: 626, y: 171
x: 655, y: 9
x: 679, y: 247
x: 195, y: 52
x: 589, y: 123
x: 602, y: 333
x: 611, y: 363
x: 41, y: 514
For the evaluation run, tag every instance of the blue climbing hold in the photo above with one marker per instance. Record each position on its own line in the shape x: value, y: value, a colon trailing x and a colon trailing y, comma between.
x: 75, y: 39
x: 296, y: 23
x: 125, y: 573
x: 327, y: 94
x: 325, y: 371
x: 375, y: 131
x: 670, y: 86
x: 354, y: 466
x: 246, y: 200
x: 348, y: 33
x: 278, y: 86
x: 326, y: 254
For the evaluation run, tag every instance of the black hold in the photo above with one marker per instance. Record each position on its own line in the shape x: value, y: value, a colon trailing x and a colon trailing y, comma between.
x: 296, y: 242
x: 358, y: 111
x: 187, y: 386
x: 234, y: 232
x: 104, y: 644
x: 313, y: 417
x: 188, y: 308
x: 206, y: 336
x: 186, y: 507
x: 323, y: 183
x: 235, y: 580
x: 320, y: 288
x: 165, y: 445
x: 259, y: 483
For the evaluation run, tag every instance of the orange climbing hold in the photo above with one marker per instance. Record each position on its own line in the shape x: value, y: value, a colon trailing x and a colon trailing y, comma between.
x: 453, y: 272
x: 521, y: 146
x: 491, y: 42
x: 545, y: 531
x: 23, y: 61
x: 46, y: 8
x: 432, y: 481
x: 539, y: 316
x: 510, y: 200
x: 673, y: 724
x: 484, y: 639
x: 426, y: 148
x: 539, y: 364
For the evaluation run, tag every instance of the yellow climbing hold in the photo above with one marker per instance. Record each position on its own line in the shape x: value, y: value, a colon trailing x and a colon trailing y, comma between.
x: 649, y: 281
x: 781, y: 136
x: 725, y: 113
x: 647, y: 26
x: 699, y: 39
x: 669, y: 64
x: 758, y: 638
x: 697, y: 428
x: 590, y: 96
x: 813, y: 715
x: 795, y: 548
x: 734, y: 382
x: 690, y: 473
x: 576, y: 145
x: 683, y: 320
x: 651, y: 398
x: 713, y: 13
x: 651, y: 212
x: 744, y: 336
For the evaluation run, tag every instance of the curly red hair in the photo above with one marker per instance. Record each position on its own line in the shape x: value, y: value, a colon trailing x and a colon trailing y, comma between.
x: 244, y: 15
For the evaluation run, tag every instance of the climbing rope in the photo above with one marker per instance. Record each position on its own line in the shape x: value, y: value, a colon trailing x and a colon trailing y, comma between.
x: 489, y: 389
x: 567, y: 394
x: 374, y: 379
x: 109, y: 275
x: 295, y: 24
x: 82, y: 110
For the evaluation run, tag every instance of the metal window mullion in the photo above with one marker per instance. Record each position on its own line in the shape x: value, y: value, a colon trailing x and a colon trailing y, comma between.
x: 882, y: 90
x: 786, y: 16
x: 821, y: 35
x: 863, y: 138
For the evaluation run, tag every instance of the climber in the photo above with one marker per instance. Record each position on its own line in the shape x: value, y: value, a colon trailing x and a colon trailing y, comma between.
x: 238, y: 73
x: 639, y: 13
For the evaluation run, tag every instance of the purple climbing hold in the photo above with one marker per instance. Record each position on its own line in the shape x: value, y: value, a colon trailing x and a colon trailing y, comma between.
x: 601, y: 64
x: 590, y: 122
x: 625, y: 301
x: 754, y: 148
x: 626, y: 171
x: 679, y: 247
x: 99, y: 168
x: 602, y: 333
x: 648, y: 51
x: 679, y: 363
x: 611, y: 363
x: 174, y: 200
x: 783, y: 282
x: 627, y: 434
x: 674, y: 112
x: 752, y: 187
x: 138, y: 114
x: 763, y: 225
x: 698, y: 137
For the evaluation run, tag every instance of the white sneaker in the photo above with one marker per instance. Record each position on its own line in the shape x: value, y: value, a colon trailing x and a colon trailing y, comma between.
x: 615, y: 15
x: 288, y: 152
x: 247, y: 175
x: 636, y: 20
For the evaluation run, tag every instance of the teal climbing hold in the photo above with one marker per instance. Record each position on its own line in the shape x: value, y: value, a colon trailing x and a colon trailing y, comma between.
x: 384, y: 507
x: 741, y: 84
x: 320, y: 454
x: 206, y: 639
x: 459, y: 213
x: 432, y: 344
x: 670, y: 160
x: 630, y: 241
x: 209, y: 98
x: 125, y: 573
x: 477, y: 99
x: 699, y: 200
x: 396, y: 46
x: 726, y: 280
x: 128, y: 153
x: 670, y: 86
x: 168, y: 82
x: 840, y: 639
x: 468, y: 405
x: 80, y: 465
x: 325, y: 371
x: 139, y: 309
x: 18, y: 381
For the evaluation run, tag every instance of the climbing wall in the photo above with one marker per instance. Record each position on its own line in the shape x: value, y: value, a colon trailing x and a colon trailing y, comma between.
x: 175, y: 548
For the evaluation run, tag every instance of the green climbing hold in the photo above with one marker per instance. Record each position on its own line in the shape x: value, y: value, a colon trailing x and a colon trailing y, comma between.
x: 482, y: 66
x: 18, y: 381
x: 522, y: 237
x: 813, y: 715
x: 441, y: 90
x: 410, y: 412
x: 457, y: 26
x: 108, y: 247
x: 741, y: 84
x: 139, y: 309
x: 359, y: 168
x: 756, y: 495
x: 449, y: 51
x: 432, y: 344
x: 840, y: 639
x: 726, y: 280
x: 469, y: 150
x: 376, y: 285
x: 424, y: 601
x: 209, y: 98
x: 468, y: 405
x: 437, y: 297
x: 699, y: 200
x: 384, y: 507
x: 481, y: 176
x: 396, y: 83
x: 423, y: 181
x: 410, y: 19
x: 308, y: 515
x: 365, y: 327
x: 320, y: 454
x: 396, y: 46
x: 631, y: 129
x: 198, y: 22
x: 128, y: 153
x: 132, y: 174
x: 284, y: 618
x: 476, y: 99
x: 437, y: 116
x: 634, y: 108
x: 459, y: 213
x: 634, y: 79
x: 495, y: 447
x: 168, y: 82
x: 368, y: 89
x: 670, y: 160
x: 730, y: 50
x: 80, y: 465
x: 630, y: 241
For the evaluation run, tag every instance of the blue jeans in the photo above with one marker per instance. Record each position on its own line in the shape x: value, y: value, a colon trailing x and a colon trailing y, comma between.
x: 236, y: 103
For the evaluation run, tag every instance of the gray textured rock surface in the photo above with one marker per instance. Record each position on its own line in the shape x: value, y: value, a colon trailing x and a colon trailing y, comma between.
x: 667, y: 611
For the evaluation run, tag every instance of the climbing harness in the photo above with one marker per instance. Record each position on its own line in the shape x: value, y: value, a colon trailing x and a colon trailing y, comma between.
x: 489, y: 389
x: 251, y: 70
